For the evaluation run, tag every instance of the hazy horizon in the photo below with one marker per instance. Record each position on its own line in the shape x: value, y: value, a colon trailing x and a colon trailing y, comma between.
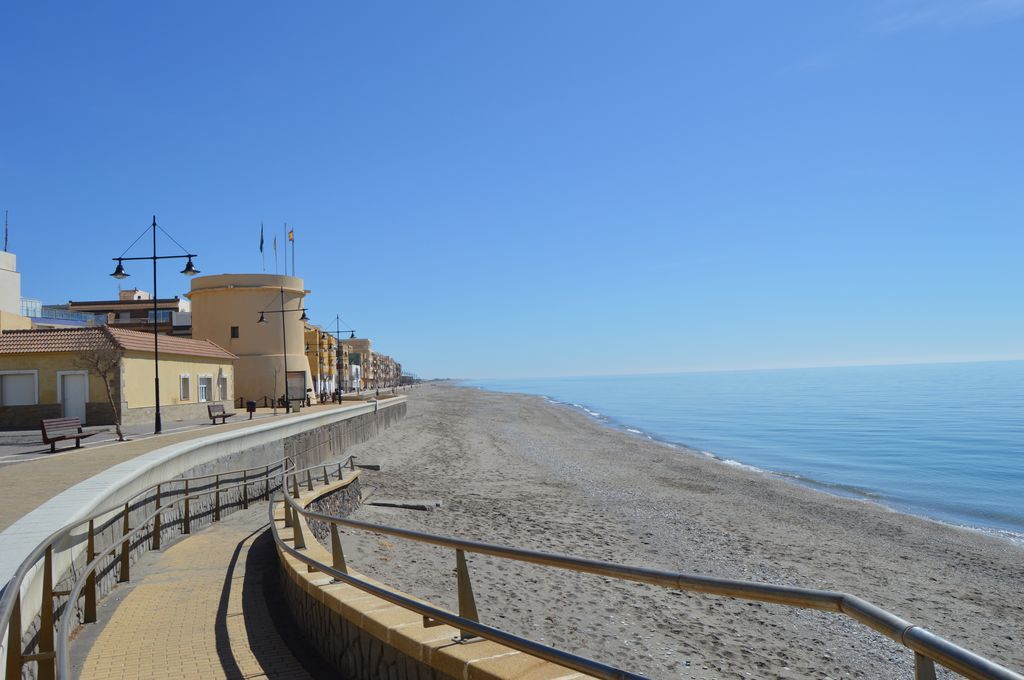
x: 728, y: 370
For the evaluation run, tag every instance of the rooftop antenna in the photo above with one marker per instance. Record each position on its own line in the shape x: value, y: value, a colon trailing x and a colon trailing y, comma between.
x: 5, y: 232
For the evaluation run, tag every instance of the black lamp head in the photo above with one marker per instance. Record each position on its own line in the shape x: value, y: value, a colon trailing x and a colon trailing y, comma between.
x: 303, y: 317
x: 189, y: 270
x: 263, y: 319
x: 119, y: 272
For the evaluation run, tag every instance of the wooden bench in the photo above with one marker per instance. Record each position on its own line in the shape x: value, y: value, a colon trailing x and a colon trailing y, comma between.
x: 217, y: 411
x: 61, y: 429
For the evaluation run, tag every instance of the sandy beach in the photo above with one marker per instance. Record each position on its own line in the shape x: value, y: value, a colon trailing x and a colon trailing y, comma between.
x: 519, y: 471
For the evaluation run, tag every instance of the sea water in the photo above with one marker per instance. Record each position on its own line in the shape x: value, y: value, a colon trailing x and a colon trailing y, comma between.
x: 944, y: 441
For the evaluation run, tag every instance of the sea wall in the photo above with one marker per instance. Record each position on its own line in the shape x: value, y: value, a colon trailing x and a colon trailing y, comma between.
x: 341, y: 635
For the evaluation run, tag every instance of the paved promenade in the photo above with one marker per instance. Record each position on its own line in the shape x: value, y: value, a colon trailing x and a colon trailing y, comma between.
x: 199, y: 611
x: 28, y: 485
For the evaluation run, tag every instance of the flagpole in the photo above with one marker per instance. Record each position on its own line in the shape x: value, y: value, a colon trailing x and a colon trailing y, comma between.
x: 263, y: 256
x: 286, y: 249
x: 293, y: 252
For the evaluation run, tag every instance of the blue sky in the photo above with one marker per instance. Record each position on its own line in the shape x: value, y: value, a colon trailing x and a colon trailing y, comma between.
x: 545, y: 188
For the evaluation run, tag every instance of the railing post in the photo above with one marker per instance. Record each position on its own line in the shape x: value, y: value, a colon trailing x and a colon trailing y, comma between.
x: 266, y: 483
x: 216, y: 499
x: 352, y: 463
x: 245, y: 490
x: 14, y: 637
x: 89, y: 611
x: 327, y: 480
x: 295, y: 485
x: 287, y: 513
x: 125, y: 574
x: 299, y: 540
x: 156, y: 521
x: 339, y: 471
x: 187, y: 520
x: 309, y: 480
x: 924, y: 668
x: 337, y: 554
x: 467, y: 603
x: 46, y: 668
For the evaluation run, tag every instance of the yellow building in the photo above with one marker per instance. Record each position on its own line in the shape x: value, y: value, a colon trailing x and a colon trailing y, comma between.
x: 322, y: 355
x: 357, y: 364
x: 386, y: 371
x: 242, y: 312
x: 46, y: 374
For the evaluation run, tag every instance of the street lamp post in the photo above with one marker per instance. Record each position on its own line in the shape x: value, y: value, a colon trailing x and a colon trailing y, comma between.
x: 284, y: 343
x: 120, y: 273
x: 337, y: 356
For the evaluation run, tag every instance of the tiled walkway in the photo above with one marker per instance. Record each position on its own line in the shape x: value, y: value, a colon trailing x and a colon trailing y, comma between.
x: 27, y: 485
x: 198, y: 612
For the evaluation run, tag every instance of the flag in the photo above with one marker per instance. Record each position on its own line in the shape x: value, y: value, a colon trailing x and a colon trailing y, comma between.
x: 275, y: 245
x: 261, y: 237
x: 291, y: 234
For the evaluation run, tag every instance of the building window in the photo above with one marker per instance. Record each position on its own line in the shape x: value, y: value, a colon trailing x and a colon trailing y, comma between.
x: 234, y: 331
x: 205, y: 388
x: 19, y: 388
x: 223, y: 388
x: 162, y: 316
x: 185, y: 389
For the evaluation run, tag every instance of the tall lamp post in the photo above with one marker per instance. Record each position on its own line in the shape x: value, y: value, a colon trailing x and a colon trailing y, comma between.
x: 284, y: 343
x: 337, y: 340
x: 120, y: 273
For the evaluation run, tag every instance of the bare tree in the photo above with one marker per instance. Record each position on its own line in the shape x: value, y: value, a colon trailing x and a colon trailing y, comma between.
x: 104, y: 360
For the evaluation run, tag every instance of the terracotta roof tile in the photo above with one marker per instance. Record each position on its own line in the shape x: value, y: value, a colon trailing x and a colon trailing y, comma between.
x: 79, y: 339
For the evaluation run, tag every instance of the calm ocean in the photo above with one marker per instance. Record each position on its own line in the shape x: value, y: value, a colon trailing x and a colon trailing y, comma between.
x: 944, y: 441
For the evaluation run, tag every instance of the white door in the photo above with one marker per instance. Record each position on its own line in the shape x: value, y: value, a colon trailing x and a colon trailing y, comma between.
x: 73, y: 395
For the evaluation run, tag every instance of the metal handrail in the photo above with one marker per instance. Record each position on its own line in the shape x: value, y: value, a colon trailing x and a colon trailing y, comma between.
x: 63, y: 657
x: 516, y: 642
x: 927, y: 646
x: 11, y: 595
x: 38, y: 551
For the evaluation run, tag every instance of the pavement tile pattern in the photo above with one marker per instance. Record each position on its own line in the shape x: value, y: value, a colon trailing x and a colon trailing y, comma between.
x: 199, y: 612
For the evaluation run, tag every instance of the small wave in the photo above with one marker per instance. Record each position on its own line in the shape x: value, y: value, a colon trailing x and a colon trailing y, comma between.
x: 593, y: 413
x: 1015, y: 537
x: 848, y: 490
x: 736, y: 463
x: 629, y: 429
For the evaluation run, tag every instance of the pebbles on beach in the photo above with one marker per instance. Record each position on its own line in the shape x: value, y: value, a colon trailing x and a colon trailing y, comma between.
x: 519, y: 471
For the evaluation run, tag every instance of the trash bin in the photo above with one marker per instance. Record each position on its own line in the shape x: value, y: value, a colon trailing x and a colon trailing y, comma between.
x: 250, y: 406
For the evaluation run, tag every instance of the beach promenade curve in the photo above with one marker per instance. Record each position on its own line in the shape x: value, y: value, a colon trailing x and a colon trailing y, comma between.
x: 199, y: 611
x: 303, y: 438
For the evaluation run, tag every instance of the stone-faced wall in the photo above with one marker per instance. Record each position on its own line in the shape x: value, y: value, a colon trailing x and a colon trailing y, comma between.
x: 350, y: 649
x: 26, y: 417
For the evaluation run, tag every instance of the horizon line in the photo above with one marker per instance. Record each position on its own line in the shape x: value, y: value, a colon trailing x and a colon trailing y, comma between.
x: 746, y: 369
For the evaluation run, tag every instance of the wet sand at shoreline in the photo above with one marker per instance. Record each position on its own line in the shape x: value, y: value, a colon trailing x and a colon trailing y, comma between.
x: 519, y: 471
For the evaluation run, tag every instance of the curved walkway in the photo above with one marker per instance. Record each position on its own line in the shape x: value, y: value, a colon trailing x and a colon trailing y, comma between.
x: 200, y: 611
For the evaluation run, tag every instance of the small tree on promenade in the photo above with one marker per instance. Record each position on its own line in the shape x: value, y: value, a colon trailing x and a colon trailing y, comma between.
x: 104, y: 360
